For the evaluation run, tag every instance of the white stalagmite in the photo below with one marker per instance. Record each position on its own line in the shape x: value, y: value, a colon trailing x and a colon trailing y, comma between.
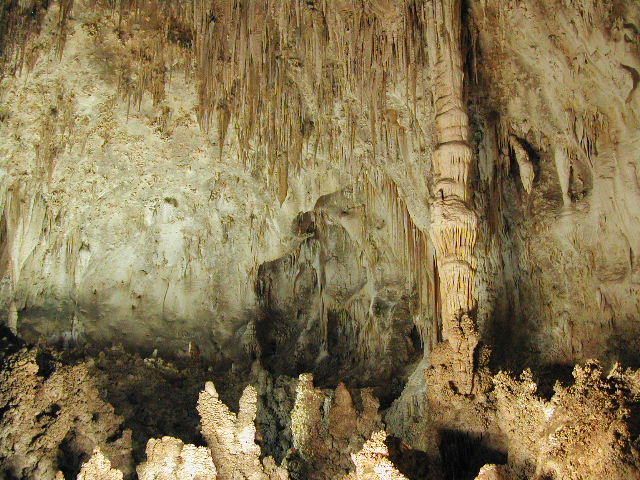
x: 454, y: 224
x: 563, y: 166
x: 372, y: 461
x: 98, y: 468
x: 231, y: 437
x: 170, y: 459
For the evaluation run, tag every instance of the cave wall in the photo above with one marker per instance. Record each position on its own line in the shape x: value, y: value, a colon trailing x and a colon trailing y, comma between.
x: 140, y: 206
x: 261, y: 180
x: 559, y: 98
x: 123, y: 222
x: 129, y: 217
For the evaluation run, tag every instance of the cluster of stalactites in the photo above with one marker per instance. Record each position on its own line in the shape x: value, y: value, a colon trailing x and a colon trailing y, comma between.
x: 276, y: 72
x: 454, y: 224
x: 20, y: 22
x: 411, y: 245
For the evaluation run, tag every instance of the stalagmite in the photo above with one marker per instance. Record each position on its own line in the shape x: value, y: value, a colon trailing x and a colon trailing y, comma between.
x: 563, y: 166
x: 453, y: 223
x: 372, y: 462
x: 327, y: 427
x: 170, y: 459
x: 99, y: 468
x: 231, y: 437
x: 306, y: 415
x: 492, y: 472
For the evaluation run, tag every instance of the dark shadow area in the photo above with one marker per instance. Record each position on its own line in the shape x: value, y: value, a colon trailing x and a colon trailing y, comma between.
x: 155, y: 399
x: 413, y: 464
x: 633, y: 421
x: 8, y: 475
x: 547, y: 375
x: 273, y: 420
x: 70, y: 459
x: 620, y: 349
x: 46, y: 364
x: 463, y: 454
x: 534, y: 158
x: 316, y: 317
x: 9, y: 343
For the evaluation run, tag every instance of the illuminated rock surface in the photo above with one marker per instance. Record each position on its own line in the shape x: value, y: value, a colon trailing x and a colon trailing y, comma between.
x: 386, y: 231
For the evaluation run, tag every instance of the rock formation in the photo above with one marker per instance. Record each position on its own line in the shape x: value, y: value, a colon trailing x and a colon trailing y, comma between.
x: 335, y: 434
x: 453, y: 225
x: 387, y: 231
x: 98, y: 468
x: 326, y: 428
x: 53, y: 418
x: 168, y: 458
x: 231, y: 437
x: 372, y: 462
x: 491, y: 472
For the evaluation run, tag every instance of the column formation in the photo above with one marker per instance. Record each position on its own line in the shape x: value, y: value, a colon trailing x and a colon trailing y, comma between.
x: 453, y: 222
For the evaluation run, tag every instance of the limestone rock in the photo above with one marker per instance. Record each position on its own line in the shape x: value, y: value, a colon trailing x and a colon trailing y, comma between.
x: 492, y: 472
x: 372, y: 461
x: 99, y: 468
x: 170, y: 459
x: 51, y: 408
x: 231, y: 437
x: 327, y: 428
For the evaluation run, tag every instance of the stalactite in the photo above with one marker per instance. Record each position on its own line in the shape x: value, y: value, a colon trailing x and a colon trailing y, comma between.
x: 588, y: 128
x: 410, y: 243
x: 65, y: 7
x: 527, y: 174
x: 20, y: 22
x: 563, y: 167
x: 277, y: 70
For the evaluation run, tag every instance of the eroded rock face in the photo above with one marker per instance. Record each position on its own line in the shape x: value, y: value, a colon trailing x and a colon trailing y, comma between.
x: 105, y: 163
x: 327, y: 428
x: 541, y: 436
x: 584, y: 430
x: 98, y: 468
x: 109, y: 162
x: 54, y: 417
x: 492, y: 472
x: 351, y: 316
x: 232, y: 437
x: 372, y: 462
x: 602, y: 405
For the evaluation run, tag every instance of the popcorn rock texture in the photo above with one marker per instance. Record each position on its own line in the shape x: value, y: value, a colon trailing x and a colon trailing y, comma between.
x: 170, y: 459
x: 231, y: 437
x: 98, y: 468
x: 372, y: 462
x: 54, y: 417
x: 400, y: 237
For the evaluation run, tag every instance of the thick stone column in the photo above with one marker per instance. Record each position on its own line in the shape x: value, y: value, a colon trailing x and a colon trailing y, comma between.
x: 453, y: 223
